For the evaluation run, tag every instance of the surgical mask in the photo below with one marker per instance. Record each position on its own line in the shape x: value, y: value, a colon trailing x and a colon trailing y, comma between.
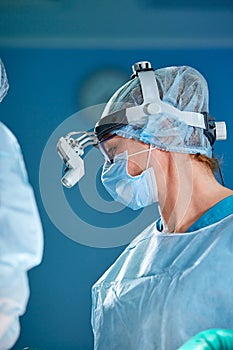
x: 135, y: 192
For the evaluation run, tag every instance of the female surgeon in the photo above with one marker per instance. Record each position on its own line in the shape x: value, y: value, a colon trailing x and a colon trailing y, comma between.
x: 175, y: 279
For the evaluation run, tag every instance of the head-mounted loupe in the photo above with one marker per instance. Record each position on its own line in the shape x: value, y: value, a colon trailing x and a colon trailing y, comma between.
x: 71, y: 150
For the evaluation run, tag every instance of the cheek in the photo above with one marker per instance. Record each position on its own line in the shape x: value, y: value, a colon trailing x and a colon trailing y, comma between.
x: 133, y: 168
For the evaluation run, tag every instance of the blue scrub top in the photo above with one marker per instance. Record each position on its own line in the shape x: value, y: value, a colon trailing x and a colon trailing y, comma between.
x: 216, y: 213
x: 165, y: 288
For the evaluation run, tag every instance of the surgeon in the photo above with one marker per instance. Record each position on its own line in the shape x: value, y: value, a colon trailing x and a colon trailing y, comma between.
x: 175, y: 279
x: 21, y: 240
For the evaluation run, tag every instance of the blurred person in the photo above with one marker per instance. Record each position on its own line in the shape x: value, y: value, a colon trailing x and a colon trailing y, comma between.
x: 21, y: 238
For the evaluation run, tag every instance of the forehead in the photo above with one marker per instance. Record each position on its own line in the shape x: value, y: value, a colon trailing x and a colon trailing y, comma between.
x: 117, y: 140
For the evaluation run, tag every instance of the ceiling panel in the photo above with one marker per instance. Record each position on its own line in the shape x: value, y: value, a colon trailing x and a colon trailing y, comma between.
x: 121, y: 24
x: 200, y: 4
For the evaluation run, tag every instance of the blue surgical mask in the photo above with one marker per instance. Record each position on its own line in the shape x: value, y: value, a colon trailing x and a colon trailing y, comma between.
x: 133, y: 191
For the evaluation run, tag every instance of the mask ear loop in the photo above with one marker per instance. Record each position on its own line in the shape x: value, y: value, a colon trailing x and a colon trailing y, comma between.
x: 148, y: 158
x: 143, y: 151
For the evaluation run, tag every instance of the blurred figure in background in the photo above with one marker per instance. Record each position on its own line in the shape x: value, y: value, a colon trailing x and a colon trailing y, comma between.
x: 21, y: 237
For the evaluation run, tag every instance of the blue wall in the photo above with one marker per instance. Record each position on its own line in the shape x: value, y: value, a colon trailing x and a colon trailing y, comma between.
x: 44, y: 87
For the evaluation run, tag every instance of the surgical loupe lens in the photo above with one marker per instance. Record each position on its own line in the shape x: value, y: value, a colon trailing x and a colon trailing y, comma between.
x: 66, y: 183
x: 106, y: 150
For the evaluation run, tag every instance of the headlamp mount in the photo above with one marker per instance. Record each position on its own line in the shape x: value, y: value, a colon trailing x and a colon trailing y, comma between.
x: 71, y: 149
x: 152, y: 104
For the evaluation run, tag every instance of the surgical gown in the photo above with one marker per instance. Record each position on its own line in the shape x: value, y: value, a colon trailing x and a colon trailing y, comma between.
x: 166, y: 288
x: 21, y: 241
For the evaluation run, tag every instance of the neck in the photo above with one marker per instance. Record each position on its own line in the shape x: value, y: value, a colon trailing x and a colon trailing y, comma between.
x: 186, y: 191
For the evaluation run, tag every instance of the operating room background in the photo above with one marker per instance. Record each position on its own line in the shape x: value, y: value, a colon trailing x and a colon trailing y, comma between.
x: 49, y: 83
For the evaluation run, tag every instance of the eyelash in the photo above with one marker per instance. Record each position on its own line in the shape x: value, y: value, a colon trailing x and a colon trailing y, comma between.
x: 112, y: 151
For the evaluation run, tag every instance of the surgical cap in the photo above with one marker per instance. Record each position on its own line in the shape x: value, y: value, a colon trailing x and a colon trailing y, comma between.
x: 4, y: 86
x: 184, y: 88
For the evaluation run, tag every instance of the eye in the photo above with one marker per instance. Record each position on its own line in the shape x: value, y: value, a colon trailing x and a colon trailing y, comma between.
x: 112, y: 151
x: 110, y: 146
